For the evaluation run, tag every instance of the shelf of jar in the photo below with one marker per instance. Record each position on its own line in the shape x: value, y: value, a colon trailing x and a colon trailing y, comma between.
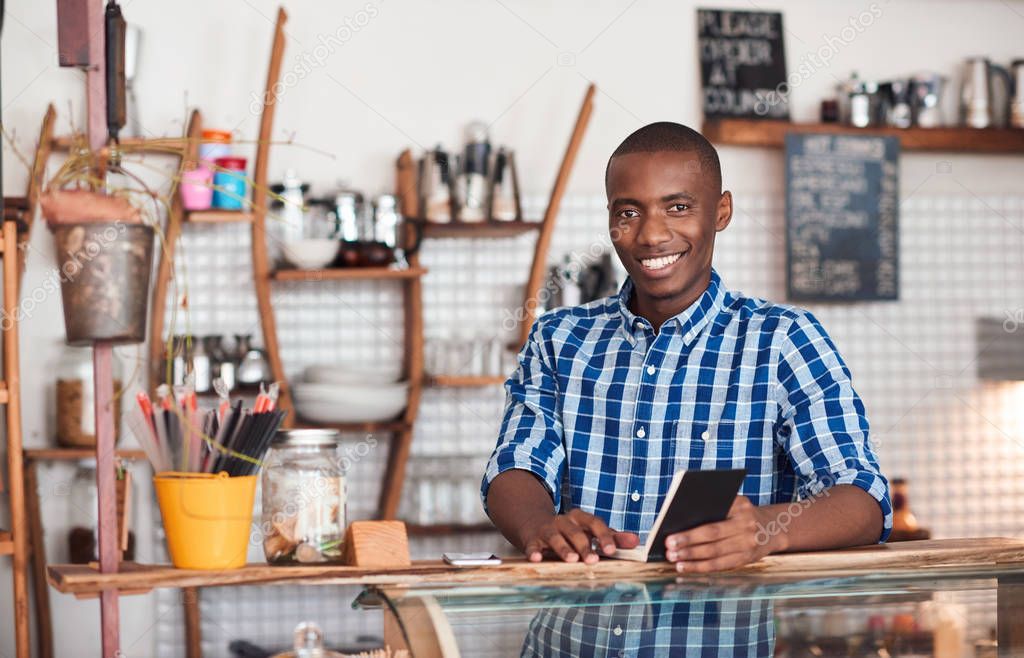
x: 954, y: 139
x: 74, y: 454
x: 485, y: 229
x: 349, y: 273
x: 983, y: 557
x: 465, y: 381
x: 215, y: 216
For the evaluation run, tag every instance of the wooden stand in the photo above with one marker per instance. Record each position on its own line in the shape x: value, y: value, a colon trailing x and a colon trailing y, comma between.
x: 377, y: 544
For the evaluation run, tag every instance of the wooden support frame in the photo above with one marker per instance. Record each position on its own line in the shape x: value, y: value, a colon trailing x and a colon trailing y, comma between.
x: 540, y: 264
x: 261, y: 270
x: 15, y: 465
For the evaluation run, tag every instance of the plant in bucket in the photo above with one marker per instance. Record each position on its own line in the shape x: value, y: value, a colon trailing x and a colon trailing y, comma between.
x: 205, y: 464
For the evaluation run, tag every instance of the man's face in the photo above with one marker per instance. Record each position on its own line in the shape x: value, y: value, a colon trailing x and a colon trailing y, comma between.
x: 663, y: 214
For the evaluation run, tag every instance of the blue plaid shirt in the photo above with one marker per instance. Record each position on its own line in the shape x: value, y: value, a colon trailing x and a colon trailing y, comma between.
x: 653, y: 620
x: 604, y: 410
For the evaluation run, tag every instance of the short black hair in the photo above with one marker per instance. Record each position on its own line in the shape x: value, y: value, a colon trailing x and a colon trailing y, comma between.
x: 673, y: 137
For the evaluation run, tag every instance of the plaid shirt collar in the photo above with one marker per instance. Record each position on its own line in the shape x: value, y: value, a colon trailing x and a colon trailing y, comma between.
x: 689, y: 323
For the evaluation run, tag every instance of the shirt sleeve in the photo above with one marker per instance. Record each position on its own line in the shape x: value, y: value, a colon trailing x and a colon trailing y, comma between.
x: 825, y: 430
x: 530, y: 437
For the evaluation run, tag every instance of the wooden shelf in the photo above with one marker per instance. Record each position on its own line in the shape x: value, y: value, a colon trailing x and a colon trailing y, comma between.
x: 74, y: 454
x: 445, y: 529
x: 984, y: 555
x: 6, y: 543
x: 465, y: 381
x: 215, y: 216
x: 772, y: 134
x: 349, y: 274
x: 491, y: 229
x: 387, y: 426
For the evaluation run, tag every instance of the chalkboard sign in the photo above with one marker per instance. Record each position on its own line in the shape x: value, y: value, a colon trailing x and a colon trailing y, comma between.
x: 842, y: 216
x: 742, y: 64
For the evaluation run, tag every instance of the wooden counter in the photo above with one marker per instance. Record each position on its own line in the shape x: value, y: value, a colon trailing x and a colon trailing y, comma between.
x: 921, y: 556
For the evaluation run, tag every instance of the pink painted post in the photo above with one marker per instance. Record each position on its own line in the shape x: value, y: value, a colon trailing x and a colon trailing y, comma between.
x: 106, y: 485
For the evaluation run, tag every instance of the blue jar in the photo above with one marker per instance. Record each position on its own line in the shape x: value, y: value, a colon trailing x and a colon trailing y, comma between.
x: 230, y: 187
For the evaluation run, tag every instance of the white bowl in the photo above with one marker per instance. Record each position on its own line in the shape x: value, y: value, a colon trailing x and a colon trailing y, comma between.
x: 344, y: 373
x: 350, y: 403
x: 311, y: 254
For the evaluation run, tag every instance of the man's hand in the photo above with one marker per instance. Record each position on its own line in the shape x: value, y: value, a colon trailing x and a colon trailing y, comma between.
x: 568, y: 536
x: 727, y: 544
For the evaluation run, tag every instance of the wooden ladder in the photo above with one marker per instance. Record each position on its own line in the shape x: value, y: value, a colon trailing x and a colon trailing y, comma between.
x: 14, y: 542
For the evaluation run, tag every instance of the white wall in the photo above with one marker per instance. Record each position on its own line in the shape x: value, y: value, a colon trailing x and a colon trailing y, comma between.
x: 411, y: 74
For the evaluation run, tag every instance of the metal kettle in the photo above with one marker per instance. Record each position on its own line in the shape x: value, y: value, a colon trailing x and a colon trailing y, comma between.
x: 977, y: 100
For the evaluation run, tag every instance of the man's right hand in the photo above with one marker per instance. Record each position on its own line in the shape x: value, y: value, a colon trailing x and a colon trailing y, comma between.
x: 569, y: 535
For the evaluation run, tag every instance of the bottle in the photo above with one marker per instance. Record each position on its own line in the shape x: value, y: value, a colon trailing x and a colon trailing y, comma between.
x: 472, y: 180
x: 201, y: 367
x: 82, y: 521
x: 76, y: 398
x: 904, y: 523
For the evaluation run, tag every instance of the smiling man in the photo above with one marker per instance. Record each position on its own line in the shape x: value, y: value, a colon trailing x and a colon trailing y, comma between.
x: 677, y: 372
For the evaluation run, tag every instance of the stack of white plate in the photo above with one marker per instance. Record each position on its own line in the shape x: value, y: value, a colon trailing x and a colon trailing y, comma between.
x: 347, y: 394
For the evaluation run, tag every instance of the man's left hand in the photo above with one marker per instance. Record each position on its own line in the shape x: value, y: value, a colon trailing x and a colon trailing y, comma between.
x: 738, y: 540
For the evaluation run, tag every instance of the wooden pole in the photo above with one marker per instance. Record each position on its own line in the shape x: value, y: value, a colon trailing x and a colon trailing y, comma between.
x: 15, y: 463
x: 260, y: 257
x: 102, y: 357
x: 540, y: 263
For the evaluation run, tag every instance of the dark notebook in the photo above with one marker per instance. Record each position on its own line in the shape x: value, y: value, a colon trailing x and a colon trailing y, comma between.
x: 694, y: 498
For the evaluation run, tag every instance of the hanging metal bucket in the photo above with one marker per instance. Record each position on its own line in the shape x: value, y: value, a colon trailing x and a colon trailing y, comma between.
x: 104, y: 281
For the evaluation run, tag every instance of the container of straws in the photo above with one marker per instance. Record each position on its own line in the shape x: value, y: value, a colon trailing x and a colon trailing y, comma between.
x: 206, y: 464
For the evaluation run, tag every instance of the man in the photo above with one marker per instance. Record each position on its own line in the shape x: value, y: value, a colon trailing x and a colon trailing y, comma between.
x: 676, y: 372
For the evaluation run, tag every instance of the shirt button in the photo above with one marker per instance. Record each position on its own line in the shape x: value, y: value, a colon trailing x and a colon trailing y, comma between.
x: 635, y: 497
x: 617, y: 630
x: 704, y: 435
x: 641, y: 433
x: 651, y: 370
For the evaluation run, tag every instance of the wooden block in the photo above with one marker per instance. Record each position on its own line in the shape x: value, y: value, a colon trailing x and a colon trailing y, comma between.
x: 377, y: 544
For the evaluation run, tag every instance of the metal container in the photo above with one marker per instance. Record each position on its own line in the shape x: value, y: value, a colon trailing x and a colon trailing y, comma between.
x: 304, y: 498
x: 977, y: 99
x: 104, y: 281
x: 350, y: 217
x: 926, y: 89
x: 435, y: 186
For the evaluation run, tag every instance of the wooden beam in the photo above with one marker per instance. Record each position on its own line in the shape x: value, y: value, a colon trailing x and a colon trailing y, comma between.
x: 539, y: 268
x: 15, y: 464
x: 260, y: 257
x: 40, y: 588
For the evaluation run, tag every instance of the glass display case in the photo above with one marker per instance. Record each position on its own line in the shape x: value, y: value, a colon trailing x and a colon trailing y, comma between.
x: 942, y: 612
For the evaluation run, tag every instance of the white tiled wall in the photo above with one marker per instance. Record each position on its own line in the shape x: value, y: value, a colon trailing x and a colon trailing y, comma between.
x: 960, y: 443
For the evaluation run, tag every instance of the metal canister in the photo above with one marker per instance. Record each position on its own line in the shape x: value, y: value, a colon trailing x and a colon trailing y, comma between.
x: 349, y: 217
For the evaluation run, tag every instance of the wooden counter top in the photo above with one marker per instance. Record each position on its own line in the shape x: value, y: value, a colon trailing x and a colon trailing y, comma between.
x: 85, y: 580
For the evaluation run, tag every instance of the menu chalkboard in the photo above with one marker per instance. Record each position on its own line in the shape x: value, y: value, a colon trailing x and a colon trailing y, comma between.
x: 742, y: 64
x: 842, y: 216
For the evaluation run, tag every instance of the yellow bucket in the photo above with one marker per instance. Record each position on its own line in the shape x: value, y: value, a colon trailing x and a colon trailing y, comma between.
x: 207, y: 518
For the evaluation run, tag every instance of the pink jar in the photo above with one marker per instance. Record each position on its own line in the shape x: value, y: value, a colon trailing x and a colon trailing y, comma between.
x: 197, y: 188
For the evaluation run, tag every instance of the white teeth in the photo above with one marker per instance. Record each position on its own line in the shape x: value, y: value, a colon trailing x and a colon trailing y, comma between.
x: 658, y: 263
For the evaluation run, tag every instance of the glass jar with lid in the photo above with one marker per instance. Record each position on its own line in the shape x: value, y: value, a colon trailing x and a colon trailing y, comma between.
x: 76, y: 398
x: 304, y: 498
